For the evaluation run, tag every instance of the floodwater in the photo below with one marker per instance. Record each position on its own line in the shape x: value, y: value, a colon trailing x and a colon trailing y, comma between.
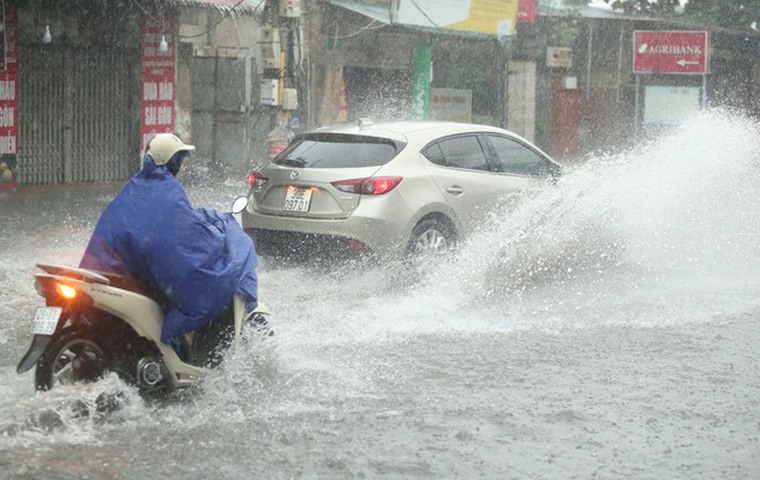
x: 606, y: 328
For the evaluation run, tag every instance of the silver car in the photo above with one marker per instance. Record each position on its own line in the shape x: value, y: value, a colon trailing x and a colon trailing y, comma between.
x: 388, y: 189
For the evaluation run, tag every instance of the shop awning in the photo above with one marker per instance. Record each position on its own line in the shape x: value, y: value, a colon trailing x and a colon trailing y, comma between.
x: 380, y: 11
x: 241, y: 6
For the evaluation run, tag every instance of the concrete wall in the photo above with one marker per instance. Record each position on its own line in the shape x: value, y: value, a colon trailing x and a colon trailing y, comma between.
x: 217, y: 90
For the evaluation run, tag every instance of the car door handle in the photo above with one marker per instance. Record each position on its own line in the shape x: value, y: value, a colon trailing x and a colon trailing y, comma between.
x: 455, y: 190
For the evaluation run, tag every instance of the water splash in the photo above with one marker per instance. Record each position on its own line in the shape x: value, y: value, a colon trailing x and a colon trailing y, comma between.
x: 71, y: 414
x: 665, y: 232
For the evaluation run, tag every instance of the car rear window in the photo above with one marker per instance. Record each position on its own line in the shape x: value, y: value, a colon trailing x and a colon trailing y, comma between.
x: 338, y: 151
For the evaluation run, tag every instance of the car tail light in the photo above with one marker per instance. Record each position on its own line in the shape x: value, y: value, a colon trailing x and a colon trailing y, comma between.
x: 256, y: 179
x: 368, y: 186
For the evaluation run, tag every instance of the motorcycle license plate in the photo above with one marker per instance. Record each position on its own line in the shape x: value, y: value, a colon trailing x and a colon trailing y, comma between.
x: 297, y: 199
x: 45, y: 320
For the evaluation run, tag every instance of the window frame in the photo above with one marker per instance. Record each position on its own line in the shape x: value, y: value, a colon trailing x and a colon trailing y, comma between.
x: 552, y: 168
x: 484, y: 147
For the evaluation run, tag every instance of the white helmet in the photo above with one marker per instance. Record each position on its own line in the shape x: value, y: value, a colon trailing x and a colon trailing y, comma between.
x: 163, y: 146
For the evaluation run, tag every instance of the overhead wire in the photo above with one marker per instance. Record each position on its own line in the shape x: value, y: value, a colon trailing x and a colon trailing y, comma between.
x: 367, y: 27
x: 416, y: 5
x: 226, y: 13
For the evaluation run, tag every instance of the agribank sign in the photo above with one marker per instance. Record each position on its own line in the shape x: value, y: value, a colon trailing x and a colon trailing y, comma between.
x: 671, y: 52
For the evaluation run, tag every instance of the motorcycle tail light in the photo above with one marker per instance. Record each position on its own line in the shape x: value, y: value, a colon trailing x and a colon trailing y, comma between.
x: 67, y: 292
x: 60, y: 294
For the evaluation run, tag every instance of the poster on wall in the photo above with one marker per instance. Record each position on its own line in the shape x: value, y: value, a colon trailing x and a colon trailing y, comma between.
x: 157, y: 112
x: 670, y: 105
x: 451, y: 105
x: 8, y: 97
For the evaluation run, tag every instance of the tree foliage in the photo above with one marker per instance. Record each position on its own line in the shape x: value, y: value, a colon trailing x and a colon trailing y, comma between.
x: 656, y: 7
x: 730, y: 13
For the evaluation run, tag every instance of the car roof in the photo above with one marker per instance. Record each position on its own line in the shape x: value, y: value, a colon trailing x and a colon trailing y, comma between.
x: 418, y: 132
x: 400, y: 130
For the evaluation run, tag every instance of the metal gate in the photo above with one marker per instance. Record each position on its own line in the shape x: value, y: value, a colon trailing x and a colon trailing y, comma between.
x: 78, y: 115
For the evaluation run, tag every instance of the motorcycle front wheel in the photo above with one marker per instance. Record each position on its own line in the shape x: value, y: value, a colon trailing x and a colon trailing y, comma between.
x: 70, y: 358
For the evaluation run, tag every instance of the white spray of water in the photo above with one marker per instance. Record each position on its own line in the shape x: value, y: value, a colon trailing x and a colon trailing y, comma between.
x: 70, y: 414
x: 665, y: 233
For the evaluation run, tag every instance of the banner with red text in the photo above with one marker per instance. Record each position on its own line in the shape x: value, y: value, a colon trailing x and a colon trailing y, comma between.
x: 157, y: 111
x: 8, y: 96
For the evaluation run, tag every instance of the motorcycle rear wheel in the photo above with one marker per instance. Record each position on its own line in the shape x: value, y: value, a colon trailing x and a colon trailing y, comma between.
x: 70, y: 358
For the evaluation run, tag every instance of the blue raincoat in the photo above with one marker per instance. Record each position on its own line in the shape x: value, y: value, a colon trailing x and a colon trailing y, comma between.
x: 197, y: 257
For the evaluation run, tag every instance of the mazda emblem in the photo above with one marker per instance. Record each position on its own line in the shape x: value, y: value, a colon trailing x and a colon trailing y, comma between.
x: 295, y: 174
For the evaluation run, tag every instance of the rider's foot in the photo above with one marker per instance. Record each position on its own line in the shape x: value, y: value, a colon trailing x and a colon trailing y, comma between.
x: 185, y: 350
x: 259, y: 322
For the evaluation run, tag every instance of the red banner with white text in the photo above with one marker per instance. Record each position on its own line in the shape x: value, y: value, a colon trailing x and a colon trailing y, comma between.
x: 8, y: 96
x: 526, y: 11
x: 157, y: 82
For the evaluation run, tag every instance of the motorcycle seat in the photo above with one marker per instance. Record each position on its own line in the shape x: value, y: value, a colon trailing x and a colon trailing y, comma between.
x: 133, y: 285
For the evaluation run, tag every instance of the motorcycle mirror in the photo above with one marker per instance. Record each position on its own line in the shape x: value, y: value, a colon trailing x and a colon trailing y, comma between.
x: 239, y: 204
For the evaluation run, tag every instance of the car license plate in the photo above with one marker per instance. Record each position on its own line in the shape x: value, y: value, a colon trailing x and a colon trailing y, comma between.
x: 297, y: 199
x: 45, y: 320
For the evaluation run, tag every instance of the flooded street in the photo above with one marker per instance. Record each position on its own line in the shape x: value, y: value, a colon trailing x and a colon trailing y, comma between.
x: 606, y: 328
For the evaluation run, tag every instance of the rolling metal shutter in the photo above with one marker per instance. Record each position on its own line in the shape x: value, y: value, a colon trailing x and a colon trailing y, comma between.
x: 78, y: 115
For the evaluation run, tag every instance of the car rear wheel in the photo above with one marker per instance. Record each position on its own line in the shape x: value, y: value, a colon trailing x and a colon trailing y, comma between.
x: 431, y: 237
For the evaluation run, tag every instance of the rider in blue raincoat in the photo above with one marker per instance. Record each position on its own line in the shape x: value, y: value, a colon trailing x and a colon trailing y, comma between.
x: 199, y: 258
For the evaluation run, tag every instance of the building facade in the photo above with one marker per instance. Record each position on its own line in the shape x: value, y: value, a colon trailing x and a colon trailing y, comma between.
x: 84, y: 85
x: 93, y: 81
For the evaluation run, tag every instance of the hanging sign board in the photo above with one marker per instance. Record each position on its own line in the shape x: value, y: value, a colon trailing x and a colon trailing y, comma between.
x: 671, y: 52
x: 482, y: 16
x: 157, y: 82
x: 526, y: 11
x: 422, y: 58
x: 9, y: 96
x: 559, y: 57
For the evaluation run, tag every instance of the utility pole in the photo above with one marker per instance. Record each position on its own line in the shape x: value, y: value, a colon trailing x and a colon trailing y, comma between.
x: 505, y: 51
x: 281, y: 61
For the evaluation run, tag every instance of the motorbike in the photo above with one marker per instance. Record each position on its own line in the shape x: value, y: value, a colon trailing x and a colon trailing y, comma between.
x: 95, y: 322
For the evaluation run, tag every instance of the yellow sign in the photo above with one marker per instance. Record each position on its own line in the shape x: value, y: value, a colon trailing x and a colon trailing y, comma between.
x: 559, y: 57
x: 489, y: 16
x: 496, y: 17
